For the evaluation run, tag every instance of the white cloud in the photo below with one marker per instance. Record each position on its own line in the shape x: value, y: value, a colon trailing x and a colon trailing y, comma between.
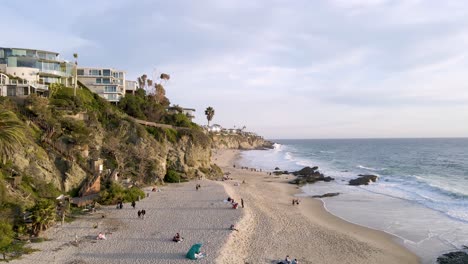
x: 343, y: 68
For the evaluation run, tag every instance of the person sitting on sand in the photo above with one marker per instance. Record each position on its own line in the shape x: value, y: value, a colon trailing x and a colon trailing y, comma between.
x: 177, y: 238
x: 101, y: 236
x: 233, y: 228
x: 234, y: 205
x: 199, y: 255
x: 295, y: 261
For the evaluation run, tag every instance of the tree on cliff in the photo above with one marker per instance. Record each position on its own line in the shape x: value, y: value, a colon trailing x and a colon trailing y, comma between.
x: 43, y: 215
x: 6, y: 238
x: 209, y: 112
x: 11, y: 134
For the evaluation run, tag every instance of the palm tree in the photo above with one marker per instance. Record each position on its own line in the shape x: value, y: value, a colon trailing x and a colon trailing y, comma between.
x: 11, y: 134
x: 75, y: 55
x: 43, y: 215
x: 142, y: 81
x: 209, y: 112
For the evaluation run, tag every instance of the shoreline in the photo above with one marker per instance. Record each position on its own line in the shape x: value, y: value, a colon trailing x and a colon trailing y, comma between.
x: 380, y: 246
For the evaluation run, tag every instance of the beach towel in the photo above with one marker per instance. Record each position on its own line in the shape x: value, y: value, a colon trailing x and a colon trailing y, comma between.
x: 195, y: 249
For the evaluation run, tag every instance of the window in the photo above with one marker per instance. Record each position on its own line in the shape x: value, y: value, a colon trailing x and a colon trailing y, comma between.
x: 110, y: 89
x: 95, y: 72
x: 106, y: 72
x: 106, y: 80
x: 80, y: 72
x: 18, y: 52
x: 98, y: 80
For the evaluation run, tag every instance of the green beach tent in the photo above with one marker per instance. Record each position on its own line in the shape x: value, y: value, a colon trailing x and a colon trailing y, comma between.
x: 195, y: 249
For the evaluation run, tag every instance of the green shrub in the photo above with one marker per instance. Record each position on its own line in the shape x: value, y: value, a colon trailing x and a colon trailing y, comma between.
x: 116, y: 192
x: 157, y: 133
x: 171, y: 135
x: 172, y: 176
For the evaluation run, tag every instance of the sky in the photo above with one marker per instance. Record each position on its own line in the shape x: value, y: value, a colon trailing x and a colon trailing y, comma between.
x: 283, y: 69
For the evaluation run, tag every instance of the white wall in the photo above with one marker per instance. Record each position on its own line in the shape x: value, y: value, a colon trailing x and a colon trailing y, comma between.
x: 29, y: 74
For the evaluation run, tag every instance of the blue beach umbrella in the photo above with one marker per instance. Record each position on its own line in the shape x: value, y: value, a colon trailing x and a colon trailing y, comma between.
x: 195, y: 249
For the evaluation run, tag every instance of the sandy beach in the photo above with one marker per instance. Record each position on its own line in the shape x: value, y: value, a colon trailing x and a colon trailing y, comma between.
x: 200, y: 217
x: 269, y: 227
x: 272, y: 228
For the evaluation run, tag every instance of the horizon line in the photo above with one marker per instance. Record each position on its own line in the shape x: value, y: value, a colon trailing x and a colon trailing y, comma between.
x: 368, y: 138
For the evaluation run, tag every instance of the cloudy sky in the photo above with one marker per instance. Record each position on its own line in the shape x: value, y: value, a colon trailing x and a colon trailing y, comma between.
x: 284, y: 69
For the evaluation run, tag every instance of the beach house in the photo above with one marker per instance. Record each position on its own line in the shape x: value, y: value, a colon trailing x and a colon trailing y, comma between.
x: 189, y: 112
x: 108, y: 83
x: 214, y: 128
x: 130, y: 87
x: 27, y: 71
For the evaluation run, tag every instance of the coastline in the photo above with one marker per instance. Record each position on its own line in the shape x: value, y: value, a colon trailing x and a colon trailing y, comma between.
x: 272, y: 228
x: 269, y: 227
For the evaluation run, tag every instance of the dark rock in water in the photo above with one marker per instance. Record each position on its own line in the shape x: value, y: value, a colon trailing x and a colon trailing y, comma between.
x: 457, y: 257
x: 280, y: 172
x: 276, y: 168
x: 363, y: 180
x: 326, y: 195
x: 328, y: 179
x: 306, y: 171
x: 309, y: 175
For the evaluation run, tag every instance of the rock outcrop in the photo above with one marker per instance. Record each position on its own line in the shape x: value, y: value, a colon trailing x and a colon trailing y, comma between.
x: 239, y: 141
x: 326, y: 195
x: 363, y: 180
x: 309, y: 175
x: 457, y: 257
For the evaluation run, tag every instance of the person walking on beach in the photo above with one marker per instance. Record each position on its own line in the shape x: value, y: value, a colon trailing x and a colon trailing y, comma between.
x: 143, y: 212
x: 139, y: 213
x: 242, y: 202
x: 133, y: 204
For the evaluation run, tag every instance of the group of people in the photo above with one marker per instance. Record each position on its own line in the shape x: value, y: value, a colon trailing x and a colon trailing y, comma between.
x: 234, y: 203
x: 119, y: 205
x: 141, y: 214
x: 177, y: 238
x: 288, y: 260
x: 198, y: 186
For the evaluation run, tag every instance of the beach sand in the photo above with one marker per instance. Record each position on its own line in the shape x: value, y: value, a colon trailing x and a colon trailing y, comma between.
x: 269, y: 227
x: 199, y: 216
x: 272, y: 228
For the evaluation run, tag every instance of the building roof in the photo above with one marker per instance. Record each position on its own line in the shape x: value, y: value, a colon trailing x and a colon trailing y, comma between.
x: 53, y: 52
x: 100, y: 68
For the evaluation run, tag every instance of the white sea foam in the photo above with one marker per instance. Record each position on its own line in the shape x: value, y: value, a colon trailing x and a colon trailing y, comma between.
x: 277, y: 146
x: 370, y: 168
x: 395, y: 203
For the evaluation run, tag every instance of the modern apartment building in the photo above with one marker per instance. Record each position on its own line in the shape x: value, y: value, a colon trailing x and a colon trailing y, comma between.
x: 37, y: 68
x: 108, y: 83
x: 130, y: 87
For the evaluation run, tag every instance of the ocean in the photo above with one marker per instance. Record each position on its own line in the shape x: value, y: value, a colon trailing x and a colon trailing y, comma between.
x: 421, y: 195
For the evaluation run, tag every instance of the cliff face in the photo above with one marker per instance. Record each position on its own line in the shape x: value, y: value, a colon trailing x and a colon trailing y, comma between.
x: 237, y: 141
x: 62, y: 147
x: 69, y: 137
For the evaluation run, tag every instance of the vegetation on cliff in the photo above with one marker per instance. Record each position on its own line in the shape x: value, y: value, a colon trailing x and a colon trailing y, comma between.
x: 51, y: 145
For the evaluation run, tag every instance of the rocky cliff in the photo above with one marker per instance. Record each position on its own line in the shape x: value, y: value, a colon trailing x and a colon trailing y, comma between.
x: 67, y: 137
x: 239, y: 141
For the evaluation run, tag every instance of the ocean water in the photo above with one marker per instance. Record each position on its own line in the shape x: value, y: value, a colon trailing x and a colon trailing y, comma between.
x: 421, y: 196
